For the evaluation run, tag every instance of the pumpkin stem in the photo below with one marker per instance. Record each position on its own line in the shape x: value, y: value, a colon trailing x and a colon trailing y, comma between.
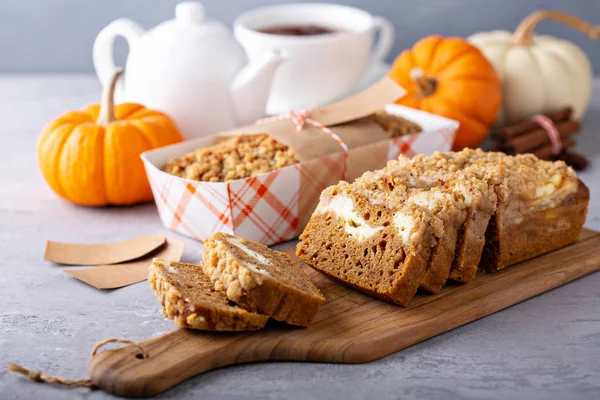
x: 107, y: 104
x: 523, y: 35
x: 426, y: 86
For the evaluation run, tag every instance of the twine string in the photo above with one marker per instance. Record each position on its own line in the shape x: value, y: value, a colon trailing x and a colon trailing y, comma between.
x: 300, y: 119
x: 40, y: 376
x: 104, y: 342
x: 553, y: 134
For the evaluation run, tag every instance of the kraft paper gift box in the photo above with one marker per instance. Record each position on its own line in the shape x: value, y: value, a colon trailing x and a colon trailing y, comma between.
x: 275, y: 206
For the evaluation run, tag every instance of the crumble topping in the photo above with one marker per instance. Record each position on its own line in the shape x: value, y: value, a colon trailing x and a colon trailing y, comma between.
x: 234, y: 158
x: 394, y: 125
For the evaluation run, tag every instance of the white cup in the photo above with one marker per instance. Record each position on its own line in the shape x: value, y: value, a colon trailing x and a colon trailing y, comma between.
x: 320, y: 68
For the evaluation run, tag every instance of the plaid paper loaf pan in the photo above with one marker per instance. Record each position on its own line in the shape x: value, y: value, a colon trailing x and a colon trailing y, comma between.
x: 275, y: 207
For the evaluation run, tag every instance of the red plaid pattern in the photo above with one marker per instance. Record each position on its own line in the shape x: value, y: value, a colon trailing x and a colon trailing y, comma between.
x: 265, y: 207
x: 421, y: 143
x: 316, y: 175
x: 194, y: 209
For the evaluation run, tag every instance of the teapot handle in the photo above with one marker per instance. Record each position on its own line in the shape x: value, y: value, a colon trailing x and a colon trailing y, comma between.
x: 104, y: 62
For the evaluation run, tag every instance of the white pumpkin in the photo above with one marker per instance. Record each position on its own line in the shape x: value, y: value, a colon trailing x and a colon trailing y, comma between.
x: 539, y: 73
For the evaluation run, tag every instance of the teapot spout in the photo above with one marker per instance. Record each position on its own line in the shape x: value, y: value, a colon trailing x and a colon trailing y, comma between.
x: 250, y: 88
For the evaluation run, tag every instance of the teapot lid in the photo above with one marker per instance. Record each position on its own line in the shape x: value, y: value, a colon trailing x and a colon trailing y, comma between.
x: 190, y: 25
x: 190, y: 11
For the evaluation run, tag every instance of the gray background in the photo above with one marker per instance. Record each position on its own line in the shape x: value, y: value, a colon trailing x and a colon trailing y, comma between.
x: 41, y: 36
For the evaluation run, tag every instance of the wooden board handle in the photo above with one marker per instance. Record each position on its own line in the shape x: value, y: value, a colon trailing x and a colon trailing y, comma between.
x: 182, y: 354
x: 123, y: 372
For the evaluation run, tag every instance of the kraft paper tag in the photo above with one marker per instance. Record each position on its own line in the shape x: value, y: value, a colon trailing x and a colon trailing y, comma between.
x: 346, y: 118
x: 102, y: 254
x: 119, y: 275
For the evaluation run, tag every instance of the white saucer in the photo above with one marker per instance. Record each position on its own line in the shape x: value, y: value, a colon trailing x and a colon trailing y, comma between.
x: 373, y: 74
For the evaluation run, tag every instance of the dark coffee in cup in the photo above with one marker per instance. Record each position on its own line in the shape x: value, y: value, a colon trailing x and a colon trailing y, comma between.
x: 298, y: 30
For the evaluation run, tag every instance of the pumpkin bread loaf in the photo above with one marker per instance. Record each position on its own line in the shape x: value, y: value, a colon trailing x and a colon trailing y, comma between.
x: 370, y: 241
x: 511, y: 208
x: 260, y: 279
x: 498, y: 187
x: 190, y: 300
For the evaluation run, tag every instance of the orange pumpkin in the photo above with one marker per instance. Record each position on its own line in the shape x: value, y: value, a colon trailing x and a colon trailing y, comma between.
x: 92, y: 157
x: 451, y: 78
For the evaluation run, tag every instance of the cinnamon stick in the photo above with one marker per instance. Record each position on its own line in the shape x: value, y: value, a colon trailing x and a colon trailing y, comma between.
x: 572, y: 159
x: 545, y: 152
x: 496, y: 146
x: 526, y: 142
x: 518, y: 129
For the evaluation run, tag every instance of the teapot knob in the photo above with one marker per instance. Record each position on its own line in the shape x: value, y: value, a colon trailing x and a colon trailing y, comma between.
x: 190, y: 12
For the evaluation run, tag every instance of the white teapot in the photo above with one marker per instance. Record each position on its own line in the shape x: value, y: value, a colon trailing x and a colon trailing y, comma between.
x: 190, y: 69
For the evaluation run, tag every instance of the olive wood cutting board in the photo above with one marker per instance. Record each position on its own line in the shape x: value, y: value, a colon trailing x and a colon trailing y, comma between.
x: 349, y: 328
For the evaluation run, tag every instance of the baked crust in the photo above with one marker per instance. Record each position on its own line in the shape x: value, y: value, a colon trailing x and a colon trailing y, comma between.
x: 260, y: 279
x: 188, y: 298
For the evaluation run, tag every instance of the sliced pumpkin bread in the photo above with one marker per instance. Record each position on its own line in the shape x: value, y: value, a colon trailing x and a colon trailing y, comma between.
x: 440, y: 202
x: 511, y: 208
x: 188, y: 298
x: 371, y: 241
x: 260, y: 279
x: 470, y: 204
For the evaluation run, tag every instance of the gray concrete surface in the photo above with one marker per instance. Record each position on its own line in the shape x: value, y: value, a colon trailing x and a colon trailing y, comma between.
x: 57, y: 35
x: 544, y: 348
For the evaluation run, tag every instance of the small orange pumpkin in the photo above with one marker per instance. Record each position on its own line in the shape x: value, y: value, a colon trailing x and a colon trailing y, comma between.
x: 451, y: 78
x: 92, y: 157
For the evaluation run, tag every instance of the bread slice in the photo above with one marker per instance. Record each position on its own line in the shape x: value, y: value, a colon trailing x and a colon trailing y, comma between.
x: 370, y: 241
x: 190, y: 300
x: 453, y: 214
x: 439, y: 201
x: 260, y: 279
x: 482, y: 202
